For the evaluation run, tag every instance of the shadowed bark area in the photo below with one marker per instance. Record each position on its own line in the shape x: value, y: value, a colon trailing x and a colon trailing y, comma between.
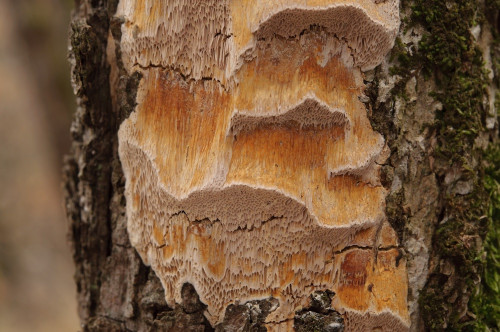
x: 116, y: 291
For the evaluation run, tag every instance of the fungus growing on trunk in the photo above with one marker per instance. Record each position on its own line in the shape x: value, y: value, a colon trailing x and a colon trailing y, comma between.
x: 251, y: 167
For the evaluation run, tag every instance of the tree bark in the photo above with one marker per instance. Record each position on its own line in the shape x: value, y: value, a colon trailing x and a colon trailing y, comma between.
x: 430, y: 100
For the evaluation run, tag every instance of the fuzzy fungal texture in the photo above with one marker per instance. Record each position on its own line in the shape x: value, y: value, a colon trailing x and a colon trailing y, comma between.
x: 208, y: 38
x: 251, y: 167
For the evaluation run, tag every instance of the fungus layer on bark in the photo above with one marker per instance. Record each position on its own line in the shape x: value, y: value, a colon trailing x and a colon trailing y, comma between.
x: 251, y: 167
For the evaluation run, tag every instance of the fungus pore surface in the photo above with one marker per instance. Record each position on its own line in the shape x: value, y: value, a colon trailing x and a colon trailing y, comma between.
x: 251, y: 167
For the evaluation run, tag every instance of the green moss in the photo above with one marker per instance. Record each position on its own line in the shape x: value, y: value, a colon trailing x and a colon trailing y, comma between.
x: 486, y: 302
x: 448, y: 54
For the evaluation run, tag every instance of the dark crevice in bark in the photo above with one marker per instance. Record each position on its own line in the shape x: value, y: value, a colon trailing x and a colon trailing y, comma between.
x: 319, y: 316
x: 90, y: 171
x: 247, y: 317
x: 381, y: 116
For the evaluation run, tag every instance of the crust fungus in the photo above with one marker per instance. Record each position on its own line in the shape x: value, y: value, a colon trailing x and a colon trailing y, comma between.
x: 251, y: 167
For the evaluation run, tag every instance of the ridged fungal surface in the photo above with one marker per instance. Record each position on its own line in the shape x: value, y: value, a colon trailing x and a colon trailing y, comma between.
x: 251, y: 167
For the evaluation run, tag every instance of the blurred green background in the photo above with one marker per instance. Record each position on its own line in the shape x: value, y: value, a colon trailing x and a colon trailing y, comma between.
x: 37, y: 292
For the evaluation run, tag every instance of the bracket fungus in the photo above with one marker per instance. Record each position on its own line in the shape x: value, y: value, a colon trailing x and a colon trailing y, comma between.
x: 251, y: 166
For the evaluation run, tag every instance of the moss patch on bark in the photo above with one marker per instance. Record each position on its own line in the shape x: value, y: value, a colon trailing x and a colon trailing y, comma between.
x: 486, y: 302
x: 448, y: 53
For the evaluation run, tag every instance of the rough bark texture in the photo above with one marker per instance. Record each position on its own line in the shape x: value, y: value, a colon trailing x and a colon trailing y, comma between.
x: 427, y: 177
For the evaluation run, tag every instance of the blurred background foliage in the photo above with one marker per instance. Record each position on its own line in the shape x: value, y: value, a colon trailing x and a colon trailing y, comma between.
x: 37, y: 292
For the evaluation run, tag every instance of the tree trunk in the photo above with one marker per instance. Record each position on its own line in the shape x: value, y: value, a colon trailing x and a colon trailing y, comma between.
x: 251, y: 165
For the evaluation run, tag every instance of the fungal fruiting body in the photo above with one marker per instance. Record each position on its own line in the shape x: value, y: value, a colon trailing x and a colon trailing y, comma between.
x: 251, y: 166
